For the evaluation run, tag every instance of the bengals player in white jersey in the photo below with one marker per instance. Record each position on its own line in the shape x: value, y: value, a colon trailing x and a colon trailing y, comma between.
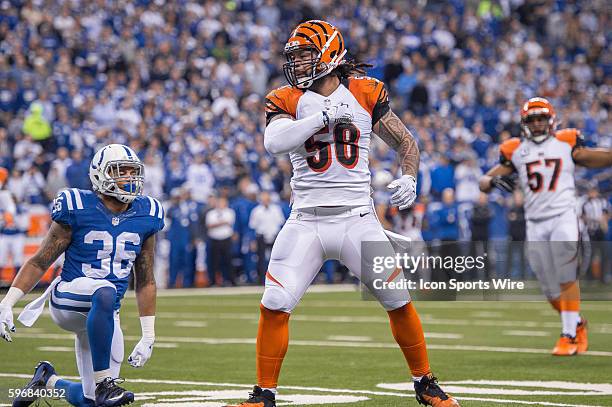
x: 545, y: 160
x: 324, y: 120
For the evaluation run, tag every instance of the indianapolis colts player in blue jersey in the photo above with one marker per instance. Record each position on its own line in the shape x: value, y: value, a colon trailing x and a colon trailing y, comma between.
x: 104, y: 234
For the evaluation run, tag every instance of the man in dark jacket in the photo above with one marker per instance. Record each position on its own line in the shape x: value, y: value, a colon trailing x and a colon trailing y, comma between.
x: 481, y: 218
x: 516, y: 226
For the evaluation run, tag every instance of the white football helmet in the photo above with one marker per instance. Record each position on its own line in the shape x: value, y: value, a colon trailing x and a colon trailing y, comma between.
x: 109, y: 176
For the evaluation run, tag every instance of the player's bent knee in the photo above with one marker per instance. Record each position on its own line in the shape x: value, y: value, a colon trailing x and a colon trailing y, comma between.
x: 277, y: 298
x: 393, y: 305
x: 104, y: 299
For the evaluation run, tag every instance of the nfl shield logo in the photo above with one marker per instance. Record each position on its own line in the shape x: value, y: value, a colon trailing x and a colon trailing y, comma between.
x: 115, y: 221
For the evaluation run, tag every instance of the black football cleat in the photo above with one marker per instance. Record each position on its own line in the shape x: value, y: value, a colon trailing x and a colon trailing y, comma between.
x: 42, y: 372
x: 258, y: 398
x: 429, y: 393
x: 108, y: 394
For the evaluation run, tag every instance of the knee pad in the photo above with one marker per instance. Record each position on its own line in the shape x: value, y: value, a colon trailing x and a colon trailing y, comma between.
x: 104, y: 299
x: 393, y: 305
x: 277, y: 298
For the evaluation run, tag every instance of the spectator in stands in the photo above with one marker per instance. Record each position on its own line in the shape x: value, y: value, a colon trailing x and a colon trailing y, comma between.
x: 77, y: 173
x: 517, y: 230
x: 418, y: 102
x: 220, y: 226
x: 13, y: 228
x: 61, y: 163
x: 37, y: 126
x: 245, y: 245
x: 183, y: 220
x: 479, y: 225
x: 596, y: 213
x: 442, y: 176
x: 34, y: 187
x: 266, y: 220
x: 154, y: 181
x: 467, y: 175
x: 199, y: 179
x: 444, y: 222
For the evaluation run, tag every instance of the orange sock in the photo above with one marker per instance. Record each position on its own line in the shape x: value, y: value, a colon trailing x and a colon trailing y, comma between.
x: 556, y: 303
x: 570, y: 297
x: 408, y: 333
x: 272, y: 343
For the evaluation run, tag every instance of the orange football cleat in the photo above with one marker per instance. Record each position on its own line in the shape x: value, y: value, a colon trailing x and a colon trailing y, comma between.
x: 581, y: 336
x: 566, y: 346
x: 429, y: 393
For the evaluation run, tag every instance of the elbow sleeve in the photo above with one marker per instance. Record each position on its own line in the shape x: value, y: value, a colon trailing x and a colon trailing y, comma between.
x: 284, y: 135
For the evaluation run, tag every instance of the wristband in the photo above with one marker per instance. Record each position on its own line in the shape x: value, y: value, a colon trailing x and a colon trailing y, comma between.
x: 147, y: 324
x: 13, y: 295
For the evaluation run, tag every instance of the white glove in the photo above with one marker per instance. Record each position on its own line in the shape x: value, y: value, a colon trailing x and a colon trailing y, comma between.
x: 144, y: 348
x: 404, y: 191
x: 339, y: 113
x: 13, y: 295
x: 141, y: 353
x: 6, y: 322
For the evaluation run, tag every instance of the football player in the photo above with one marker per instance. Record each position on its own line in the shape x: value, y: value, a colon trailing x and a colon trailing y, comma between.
x: 544, y: 160
x: 324, y: 120
x: 104, y: 234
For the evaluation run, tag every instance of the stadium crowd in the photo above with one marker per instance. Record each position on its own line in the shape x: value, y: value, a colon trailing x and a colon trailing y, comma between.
x: 183, y: 84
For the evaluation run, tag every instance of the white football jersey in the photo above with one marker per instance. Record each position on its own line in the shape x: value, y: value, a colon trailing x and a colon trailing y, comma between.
x: 332, y: 167
x: 545, y: 172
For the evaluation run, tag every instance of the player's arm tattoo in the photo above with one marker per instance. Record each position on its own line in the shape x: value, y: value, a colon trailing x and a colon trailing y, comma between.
x: 143, y: 267
x: 393, y: 132
x: 54, y: 244
x: 144, y: 278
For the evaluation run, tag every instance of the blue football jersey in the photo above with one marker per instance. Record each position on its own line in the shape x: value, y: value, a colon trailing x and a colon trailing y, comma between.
x: 104, y: 244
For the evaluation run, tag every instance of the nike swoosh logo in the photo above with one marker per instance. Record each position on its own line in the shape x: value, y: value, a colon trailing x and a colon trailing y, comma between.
x: 361, y: 215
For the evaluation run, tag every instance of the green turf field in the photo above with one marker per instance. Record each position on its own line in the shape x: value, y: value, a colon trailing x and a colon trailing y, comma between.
x: 341, y: 353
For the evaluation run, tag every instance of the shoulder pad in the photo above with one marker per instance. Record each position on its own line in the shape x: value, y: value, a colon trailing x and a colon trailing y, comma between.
x: 371, y: 95
x: 507, y: 148
x: 570, y: 136
x: 152, y: 206
x: 65, y: 204
x: 283, y: 100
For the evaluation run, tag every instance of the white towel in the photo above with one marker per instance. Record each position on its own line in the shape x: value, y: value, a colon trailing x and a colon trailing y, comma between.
x: 33, y: 310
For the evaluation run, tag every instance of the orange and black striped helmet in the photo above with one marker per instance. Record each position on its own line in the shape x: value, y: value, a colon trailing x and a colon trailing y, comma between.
x: 323, y: 48
x: 536, y: 107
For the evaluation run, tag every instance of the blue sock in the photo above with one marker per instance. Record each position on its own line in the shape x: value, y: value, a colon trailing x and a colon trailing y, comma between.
x: 100, y: 327
x: 74, y: 393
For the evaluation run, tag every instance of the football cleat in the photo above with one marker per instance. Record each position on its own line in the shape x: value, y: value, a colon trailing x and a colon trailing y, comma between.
x: 428, y: 393
x: 566, y: 346
x: 581, y: 336
x: 258, y: 398
x: 42, y: 372
x: 108, y: 394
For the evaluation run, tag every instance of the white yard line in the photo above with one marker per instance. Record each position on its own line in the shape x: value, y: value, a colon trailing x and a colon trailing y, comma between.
x: 191, y: 324
x: 601, y: 328
x: 55, y: 349
x: 349, y: 338
x: 526, y: 333
x: 343, y: 344
x: 165, y: 345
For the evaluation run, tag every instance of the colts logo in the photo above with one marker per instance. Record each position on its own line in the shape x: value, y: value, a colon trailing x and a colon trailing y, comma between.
x: 115, y: 221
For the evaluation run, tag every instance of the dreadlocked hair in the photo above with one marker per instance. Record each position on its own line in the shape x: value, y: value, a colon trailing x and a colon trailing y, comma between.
x: 349, y: 68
